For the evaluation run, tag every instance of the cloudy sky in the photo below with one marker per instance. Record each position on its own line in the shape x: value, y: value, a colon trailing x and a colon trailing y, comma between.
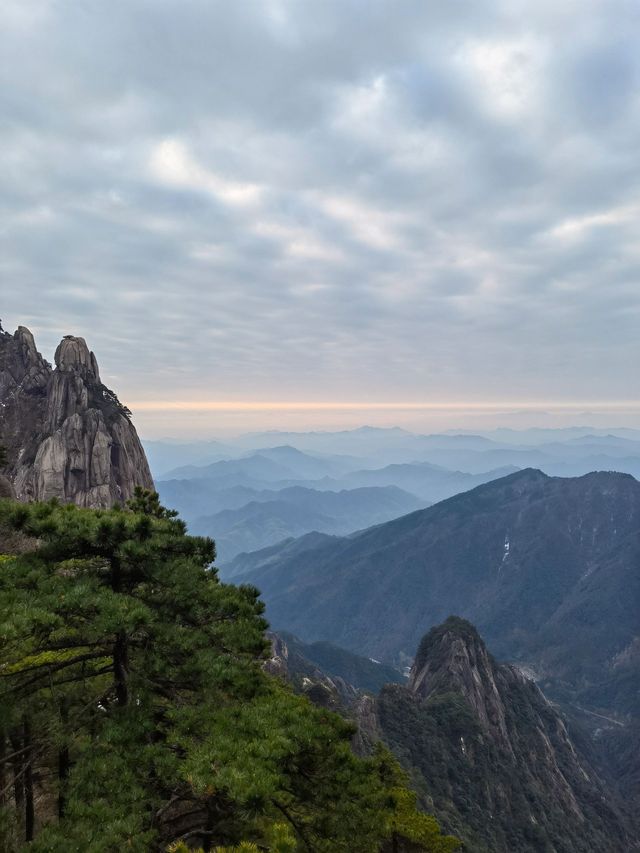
x: 374, y: 203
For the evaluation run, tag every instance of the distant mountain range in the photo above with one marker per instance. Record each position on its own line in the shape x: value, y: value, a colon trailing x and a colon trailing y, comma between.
x: 370, y: 447
x: 163, y: 455
x: 242, y: 497
x: 430, y: 482
x: 196, y: 491
x: 269, y: 463
x: 366, y: 447
x: 273, y: 516
x: 547, y: 568
x: 277, y: 493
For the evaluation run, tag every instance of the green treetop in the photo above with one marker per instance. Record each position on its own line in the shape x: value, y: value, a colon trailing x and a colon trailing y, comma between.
x: 134, y: 712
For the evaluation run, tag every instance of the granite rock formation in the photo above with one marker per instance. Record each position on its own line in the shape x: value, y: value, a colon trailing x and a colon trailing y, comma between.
x: 493, y: 758
x: 66, y: 434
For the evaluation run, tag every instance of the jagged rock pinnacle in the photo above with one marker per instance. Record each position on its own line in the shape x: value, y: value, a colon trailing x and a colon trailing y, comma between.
x: 67, y: 435
x: 477, y: 731
x: 73, y: 354
x: 26, y: 339
x: 452, y: 656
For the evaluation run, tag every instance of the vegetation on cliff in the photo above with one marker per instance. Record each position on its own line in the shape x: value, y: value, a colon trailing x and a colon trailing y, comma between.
x: 492, y: 757
x: 136, y: 714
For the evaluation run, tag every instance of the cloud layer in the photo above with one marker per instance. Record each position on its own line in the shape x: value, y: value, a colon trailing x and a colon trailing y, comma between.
x: 278, y: 199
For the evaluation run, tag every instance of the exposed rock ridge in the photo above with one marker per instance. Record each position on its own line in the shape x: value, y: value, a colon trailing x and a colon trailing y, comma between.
x: 481, y: 733
x: 454, y: 658
x: 67, y: 435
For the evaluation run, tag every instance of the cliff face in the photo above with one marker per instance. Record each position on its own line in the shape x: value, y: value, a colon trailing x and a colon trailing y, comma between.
x: 494, y: 759
x: 67, y: 435
x: 454, y: 659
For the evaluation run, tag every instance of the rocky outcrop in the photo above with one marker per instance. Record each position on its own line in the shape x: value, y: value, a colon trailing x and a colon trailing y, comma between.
x: 496, y: 761
x: 326, y: 691
x: 453, y: 658
x: 67, y: 435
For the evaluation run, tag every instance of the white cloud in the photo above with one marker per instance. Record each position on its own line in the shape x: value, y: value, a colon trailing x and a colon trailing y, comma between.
x: 172, y: 164
x: 365, y: 222
x: 506, y: 72
x: 275, y: 197
x: 578, y: 227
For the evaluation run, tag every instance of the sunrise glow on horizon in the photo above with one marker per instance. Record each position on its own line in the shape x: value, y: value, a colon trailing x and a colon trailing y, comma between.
x: 286, y: 405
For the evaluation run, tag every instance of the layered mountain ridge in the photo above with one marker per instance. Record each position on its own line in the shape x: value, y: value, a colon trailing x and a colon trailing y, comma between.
x: 492, y: 757
x: 66, y: 434
x: 546, y: 567
x: 273, y: 516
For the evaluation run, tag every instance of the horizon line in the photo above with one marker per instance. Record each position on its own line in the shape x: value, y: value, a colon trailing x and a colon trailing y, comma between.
x: 287, y: 405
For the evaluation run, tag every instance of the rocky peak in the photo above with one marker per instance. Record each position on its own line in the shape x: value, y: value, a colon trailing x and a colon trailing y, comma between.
x: 505, y: 749
x: 73, y: 356
x: 453, y: 658
x: 21, y: 365
x: 27, y: 346
x: 67, y: 435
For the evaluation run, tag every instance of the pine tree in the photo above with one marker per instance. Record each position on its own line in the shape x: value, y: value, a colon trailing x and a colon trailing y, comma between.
x: 135, y: 707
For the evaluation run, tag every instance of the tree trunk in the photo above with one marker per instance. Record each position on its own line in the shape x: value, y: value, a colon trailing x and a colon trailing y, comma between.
x: 63, y: 763
x: 63, y: 773
x: 18, y: 780
x: 207, y: 842
x: 29, y: 811
x: 120, y: 668
x: 3, y: 768
x: 120, y: 648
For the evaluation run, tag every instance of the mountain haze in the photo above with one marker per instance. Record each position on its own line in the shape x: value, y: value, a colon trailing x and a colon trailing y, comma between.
x: 541, y: 565
x: 276, y: 515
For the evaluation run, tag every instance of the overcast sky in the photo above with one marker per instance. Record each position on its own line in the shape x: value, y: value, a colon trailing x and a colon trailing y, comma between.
x: 327, y: 200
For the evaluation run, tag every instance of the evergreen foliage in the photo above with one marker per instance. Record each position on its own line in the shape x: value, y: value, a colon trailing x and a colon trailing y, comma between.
x: 135, y: 715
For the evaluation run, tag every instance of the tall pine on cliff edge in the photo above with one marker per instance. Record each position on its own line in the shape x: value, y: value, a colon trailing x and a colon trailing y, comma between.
x: 135, y: 714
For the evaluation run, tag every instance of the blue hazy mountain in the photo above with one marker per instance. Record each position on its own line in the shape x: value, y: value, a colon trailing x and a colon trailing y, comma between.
x: 290, y: 512
x: 546, y: 567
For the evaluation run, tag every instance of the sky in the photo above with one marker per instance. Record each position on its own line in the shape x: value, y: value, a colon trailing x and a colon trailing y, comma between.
x: 326, y: 212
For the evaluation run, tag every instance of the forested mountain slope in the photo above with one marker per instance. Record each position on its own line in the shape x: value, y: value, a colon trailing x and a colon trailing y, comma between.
x: 547, y: 568
x: 135, y: 712
x: 481, y: 739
